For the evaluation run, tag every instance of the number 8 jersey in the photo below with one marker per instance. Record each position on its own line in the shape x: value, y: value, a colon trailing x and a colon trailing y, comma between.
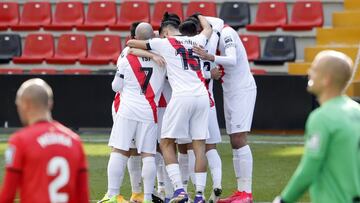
x: 143, y: 82
x: 184, y: 68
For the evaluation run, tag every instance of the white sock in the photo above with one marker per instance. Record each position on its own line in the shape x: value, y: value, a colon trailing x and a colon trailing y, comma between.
x: 175, y: 176
x: 134, y: 168
x: 243, y: 165
x: 115, y: 172
x: 160, y: 165
x: 184, y: 169
x: 191, y: 155
x: 200, y: 179
x: 148, y: 174
x: 169, y: 189
x: 215, y: 166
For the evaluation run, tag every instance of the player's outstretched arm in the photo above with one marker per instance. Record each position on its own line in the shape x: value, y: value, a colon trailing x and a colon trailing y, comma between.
x: 207, y: 30
x: 142, y: 53
x: 216, y: 23
x: 140, y: 44
x: 11, y: 183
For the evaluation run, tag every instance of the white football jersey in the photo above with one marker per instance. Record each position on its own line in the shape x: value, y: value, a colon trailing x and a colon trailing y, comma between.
x: 184, y: 68
x: 143, y: 82
x: 165, y: 95
x: 237, y: 74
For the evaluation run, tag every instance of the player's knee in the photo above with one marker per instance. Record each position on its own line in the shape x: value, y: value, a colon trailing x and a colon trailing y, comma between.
x: 238, y: 140
x: 125, y: 153
x: 210, y: 147
x: 182, y: 148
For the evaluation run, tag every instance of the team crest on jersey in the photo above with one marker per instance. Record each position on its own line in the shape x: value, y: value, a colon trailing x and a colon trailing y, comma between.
x: 314, y: 142
x: 9, y: 155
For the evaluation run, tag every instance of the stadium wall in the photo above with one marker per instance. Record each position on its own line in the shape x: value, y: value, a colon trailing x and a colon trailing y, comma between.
x: 85, y: 101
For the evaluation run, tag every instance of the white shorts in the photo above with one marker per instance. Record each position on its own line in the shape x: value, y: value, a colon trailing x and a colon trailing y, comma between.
x: 161, y: 111
x: 239, y: 110
x: 126, y: 131
x: 113, y: 113
x: 214, y: 130
x: 186, y: 118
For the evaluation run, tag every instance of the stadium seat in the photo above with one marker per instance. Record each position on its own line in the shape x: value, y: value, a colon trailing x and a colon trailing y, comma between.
x: 278, y: 50
x: 34, y: 15
x: 104, y: 49
x: 10, y: 46
x: 252, y: 46
x: 11, y: 71
x: 132, y: 11
x: 257, y: 71
x: 77, y: 71
x: 37, y: 48
x: 269, y: 16
x: 68, y: 14
x: 352, y: 5
x: 43, y: 71
x: 9, y: 14
x: 336, y: 36
x: 235, y: 14
x: 100, y: 14
x: 305, y: 16
x: 206, y: 8
x: 71, y: 47
x: 161, y: 7
x: 346, y: 19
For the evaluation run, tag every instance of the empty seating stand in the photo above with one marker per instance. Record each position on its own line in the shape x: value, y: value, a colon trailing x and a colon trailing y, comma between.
x: 37, y: 48
x: 104, y: 49
x: 34, y: 15
x: 11, y: 71
x: 206, y: 8
x: 9, y: 14
x: 269, y: 16
x: 278, y: 50
x: 305, y: 16
x: 10, y: 46
x: 71, y: 47
x: 100, y: 15
x: 235, y: 14
x: 252, y: 46
x: 68, y: 14
x: 132, y: 11
x: 161, y: 7
x: 77, y: 71
x: 43, y: 71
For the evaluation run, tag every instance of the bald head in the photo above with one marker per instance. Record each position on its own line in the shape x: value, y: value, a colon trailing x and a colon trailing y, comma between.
x: 338, y: 66
x: 144, y: 31
x: 36, y: 92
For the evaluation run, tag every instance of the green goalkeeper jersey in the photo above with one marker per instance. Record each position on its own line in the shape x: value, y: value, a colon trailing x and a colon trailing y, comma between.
x: 330, y: 166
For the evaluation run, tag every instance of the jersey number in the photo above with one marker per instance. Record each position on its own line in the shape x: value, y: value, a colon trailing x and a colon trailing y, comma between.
x: 188, y: 59
x: 60, y: 167
x: 148, y: 72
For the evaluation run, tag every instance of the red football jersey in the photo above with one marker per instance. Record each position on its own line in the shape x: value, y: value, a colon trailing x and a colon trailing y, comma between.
x: 50, y: 158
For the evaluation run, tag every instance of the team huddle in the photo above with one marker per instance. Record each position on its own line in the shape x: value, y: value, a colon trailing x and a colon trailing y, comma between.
x: 164, y: 103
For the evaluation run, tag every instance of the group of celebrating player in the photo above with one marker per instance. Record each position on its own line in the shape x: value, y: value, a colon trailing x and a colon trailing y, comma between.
x: 164, y: 99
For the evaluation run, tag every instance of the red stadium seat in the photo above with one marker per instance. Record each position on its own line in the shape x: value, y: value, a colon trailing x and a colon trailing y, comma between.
x: 104, y: 49
x: 43, y: 71
x: 161, y: 7
x: 71, y: 47
x: 77, y: 71
x: 305, y: 16
x: 9, y: 14
x: 256, y: 71
x: 37, y: 48
x: 68, y: 14
x: 34, y: 15
x: 100, y: 15
x: 270, y: 15
x: 11, y: 71
x: 132, y: 11
x: 252, y: 46
x: 206, y: 8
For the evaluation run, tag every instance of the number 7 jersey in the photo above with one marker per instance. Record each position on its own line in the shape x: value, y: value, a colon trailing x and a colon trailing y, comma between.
x: 143, y: 82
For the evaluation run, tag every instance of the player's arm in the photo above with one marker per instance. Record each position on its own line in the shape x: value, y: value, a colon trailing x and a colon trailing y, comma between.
x: 143, y: 53
x: 12, y: 181
x: 140, y: 44
x: 311, y: 162
x: 216, y: 23
x: 207, y: 30
x: 118, y: 82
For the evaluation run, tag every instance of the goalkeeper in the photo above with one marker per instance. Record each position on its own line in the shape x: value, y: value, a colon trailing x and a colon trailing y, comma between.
x: 330, y: 166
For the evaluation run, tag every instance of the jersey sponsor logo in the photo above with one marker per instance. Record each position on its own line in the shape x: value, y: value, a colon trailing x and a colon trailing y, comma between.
x: 229, y: 42
x: 9, y: 155
x: 314, y: 142
x: 228, y: 39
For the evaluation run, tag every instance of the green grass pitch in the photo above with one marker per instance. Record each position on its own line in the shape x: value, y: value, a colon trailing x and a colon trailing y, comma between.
x: 275, y: 159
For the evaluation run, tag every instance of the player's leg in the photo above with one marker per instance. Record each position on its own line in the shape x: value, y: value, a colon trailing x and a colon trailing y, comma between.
x: 199, y: 133
x: 134, y: 169
x: 191, y: 155
x: 183, y: 160
x: 238, y: 127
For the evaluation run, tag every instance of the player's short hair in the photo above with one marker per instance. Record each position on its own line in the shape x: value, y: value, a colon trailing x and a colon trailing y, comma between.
x: 188, y: 28
x: 133, y: 28
x: 169, y: 20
